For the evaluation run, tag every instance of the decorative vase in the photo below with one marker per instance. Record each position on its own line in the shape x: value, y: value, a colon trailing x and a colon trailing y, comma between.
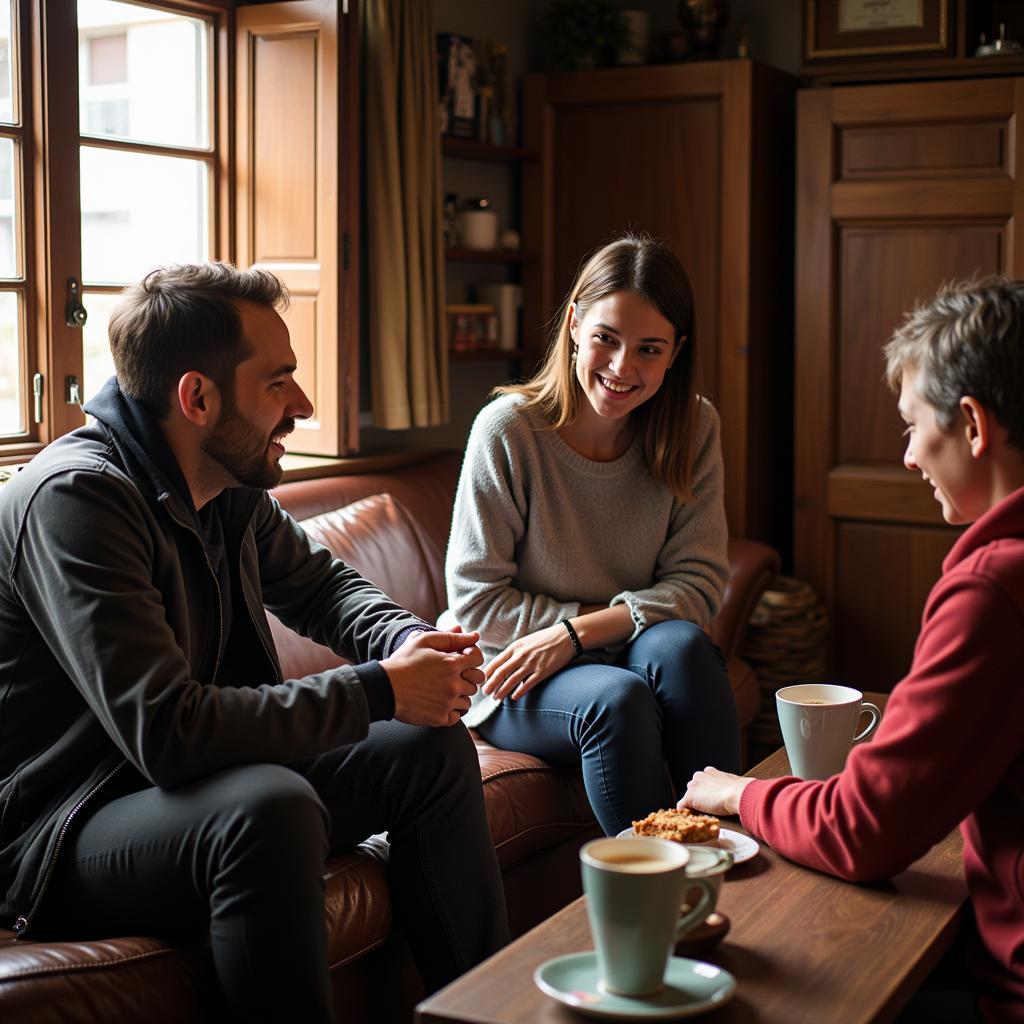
x: 703, y: 21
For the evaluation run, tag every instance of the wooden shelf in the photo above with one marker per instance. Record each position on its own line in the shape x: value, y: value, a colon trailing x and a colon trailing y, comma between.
x: 470, y: 149
x: 474, y: 355
x: 855, y: 72
x: 457, y: 255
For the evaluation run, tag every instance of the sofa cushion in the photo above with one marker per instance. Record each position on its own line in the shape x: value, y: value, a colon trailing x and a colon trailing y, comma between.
x: 357, y: 901
x: 531, y: 805
x: 131, y: 979
x: 375, y: 536
x: 424, y: 483
x: 117, y: 981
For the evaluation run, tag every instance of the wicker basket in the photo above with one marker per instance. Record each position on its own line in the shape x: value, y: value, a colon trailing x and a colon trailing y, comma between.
x: 785, y: 642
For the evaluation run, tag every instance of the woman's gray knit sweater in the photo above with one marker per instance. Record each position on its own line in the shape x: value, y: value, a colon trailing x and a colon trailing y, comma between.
x: 539, y: 531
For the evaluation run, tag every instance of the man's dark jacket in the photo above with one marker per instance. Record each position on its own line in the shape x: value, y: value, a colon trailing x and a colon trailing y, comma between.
x: 110, y: 637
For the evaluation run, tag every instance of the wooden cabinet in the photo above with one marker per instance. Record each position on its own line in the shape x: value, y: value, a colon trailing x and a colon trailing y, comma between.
x: 899, y: 188
x: 701, y: 156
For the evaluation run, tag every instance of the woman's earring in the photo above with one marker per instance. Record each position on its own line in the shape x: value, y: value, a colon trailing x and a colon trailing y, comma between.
x: 575, y: 352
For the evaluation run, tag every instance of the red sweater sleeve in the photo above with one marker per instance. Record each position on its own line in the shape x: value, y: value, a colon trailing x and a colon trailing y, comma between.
x: 951, y: 730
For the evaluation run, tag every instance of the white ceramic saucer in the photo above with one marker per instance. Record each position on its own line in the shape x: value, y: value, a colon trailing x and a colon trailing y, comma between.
x: 742, y: 847
x: 691, y: 987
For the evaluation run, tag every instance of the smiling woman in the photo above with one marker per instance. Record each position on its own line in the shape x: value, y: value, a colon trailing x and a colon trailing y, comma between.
x: 623, y: 349
x: 588, y: 544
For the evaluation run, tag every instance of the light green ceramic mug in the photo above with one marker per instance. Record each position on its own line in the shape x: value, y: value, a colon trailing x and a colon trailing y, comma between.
x: 634, y: 889
x: 710, y: 862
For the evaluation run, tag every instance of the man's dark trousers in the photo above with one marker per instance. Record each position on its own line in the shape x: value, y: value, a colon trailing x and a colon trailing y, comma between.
x: 241, y: 853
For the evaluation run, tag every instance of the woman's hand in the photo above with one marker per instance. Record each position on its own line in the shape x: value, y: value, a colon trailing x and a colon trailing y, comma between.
x: 714, y: 792
x: 528, y: 661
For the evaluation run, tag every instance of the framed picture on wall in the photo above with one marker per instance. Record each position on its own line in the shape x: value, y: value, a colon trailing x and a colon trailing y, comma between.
x: 841, y: 30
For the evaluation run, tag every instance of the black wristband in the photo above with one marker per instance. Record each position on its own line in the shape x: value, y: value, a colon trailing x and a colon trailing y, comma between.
x: 573, y: 637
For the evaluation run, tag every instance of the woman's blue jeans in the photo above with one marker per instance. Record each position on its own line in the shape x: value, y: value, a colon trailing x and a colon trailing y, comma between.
x: 640, y: 728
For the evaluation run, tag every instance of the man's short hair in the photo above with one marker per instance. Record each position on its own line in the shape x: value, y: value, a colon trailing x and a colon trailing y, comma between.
x: 966, y: 341
x: 182, y: 318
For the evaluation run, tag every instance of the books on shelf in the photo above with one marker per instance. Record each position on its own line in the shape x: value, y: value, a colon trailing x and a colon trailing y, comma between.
x: 471, y: 325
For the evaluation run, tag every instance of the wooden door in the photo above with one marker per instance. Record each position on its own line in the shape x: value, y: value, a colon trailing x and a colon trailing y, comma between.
x: 699, y: 155
x: 297, y: 195
x: 899, y: 188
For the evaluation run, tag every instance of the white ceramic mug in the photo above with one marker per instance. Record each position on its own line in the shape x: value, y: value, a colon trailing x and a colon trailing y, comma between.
x: 635, y: 888
x: 818, y: 721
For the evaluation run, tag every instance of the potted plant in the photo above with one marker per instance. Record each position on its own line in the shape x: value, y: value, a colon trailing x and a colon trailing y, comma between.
x: 581, y: 34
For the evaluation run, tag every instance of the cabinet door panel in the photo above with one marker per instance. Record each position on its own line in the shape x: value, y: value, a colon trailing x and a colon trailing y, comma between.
x: 916, y: 209
x: 879, y: 267
x: 284, y: 175
x: 884, y: 573
x: 924, y: 151
x: 671, y: 191
x: 302, y: 317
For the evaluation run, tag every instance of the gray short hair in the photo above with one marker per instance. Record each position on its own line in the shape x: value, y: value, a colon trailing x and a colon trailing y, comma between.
x: 966, y: 341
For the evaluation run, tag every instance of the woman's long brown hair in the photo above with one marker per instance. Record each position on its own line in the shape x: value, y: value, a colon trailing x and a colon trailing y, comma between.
x: 666, y: 423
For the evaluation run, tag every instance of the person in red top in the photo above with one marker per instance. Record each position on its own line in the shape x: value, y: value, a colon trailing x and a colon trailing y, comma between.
x: 950, y: 748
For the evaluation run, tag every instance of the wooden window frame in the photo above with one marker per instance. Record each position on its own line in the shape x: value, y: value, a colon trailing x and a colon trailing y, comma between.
x: 23, y: 132
x: 51, y: 214
x: 51, y: 232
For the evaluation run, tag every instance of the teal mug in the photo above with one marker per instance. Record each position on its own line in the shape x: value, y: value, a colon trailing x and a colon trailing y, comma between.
x: 635, y: 887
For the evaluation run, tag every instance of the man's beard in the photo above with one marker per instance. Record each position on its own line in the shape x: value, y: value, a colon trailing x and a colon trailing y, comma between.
x: 243, y: 450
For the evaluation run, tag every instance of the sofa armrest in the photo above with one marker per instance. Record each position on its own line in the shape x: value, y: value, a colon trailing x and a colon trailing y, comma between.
x: 752, y: 569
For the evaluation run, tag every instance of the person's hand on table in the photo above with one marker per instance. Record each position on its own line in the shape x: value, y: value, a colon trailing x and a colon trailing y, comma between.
x: 528, y: 661
x: 714, y: 792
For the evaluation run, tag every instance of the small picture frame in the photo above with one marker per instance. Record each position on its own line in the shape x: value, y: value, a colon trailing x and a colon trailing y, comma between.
x: 457, y: 79
x: 844, y: 30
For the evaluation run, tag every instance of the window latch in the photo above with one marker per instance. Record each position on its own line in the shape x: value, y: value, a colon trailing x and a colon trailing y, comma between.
x: 37, y: 396
x: 75, y: 314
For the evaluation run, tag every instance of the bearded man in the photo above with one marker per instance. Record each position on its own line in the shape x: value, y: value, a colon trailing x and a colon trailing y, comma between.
x: 157, y: 773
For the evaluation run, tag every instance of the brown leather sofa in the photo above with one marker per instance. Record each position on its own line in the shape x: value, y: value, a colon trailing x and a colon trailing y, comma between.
x: 392, y: 524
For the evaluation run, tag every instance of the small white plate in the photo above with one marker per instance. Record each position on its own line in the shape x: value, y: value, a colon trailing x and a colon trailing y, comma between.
x: 691, y: 987
x: 742, y: 847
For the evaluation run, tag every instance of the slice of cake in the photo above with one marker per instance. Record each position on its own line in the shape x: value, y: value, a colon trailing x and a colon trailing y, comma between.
x: 683, y: 826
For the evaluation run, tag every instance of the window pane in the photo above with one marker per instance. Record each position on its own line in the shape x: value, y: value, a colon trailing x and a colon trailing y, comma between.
x: 139, y: 212
x: 11, y: 419
x: 8, y: 210
x: 143, y: 74
x: 97, y: 363
x: 6, y: 69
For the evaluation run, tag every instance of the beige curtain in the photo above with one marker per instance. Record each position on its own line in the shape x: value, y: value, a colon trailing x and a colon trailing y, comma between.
x: 408, y: 352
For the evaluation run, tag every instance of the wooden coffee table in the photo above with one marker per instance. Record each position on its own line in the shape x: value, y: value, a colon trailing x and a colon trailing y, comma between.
x: 803, y: 946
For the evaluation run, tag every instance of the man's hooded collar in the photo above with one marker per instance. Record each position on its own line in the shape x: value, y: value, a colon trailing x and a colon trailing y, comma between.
x: 144, y: 449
